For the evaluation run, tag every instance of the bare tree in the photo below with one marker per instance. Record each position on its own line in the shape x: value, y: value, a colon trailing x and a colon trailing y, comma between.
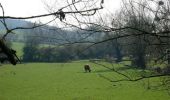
x: 145, y: 28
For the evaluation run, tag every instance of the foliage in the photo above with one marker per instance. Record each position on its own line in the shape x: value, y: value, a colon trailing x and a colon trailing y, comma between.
x: 30, y: 50
x: 63, y: 53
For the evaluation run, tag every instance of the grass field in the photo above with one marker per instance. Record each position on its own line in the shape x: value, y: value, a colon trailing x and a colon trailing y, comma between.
x: 67, y: 81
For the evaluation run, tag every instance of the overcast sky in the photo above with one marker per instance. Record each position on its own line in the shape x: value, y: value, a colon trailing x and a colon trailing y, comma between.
x: 23, y: 8
x: 35, y: 7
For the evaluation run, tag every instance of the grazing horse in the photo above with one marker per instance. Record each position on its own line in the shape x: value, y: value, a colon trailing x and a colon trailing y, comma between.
x: 87, y: 68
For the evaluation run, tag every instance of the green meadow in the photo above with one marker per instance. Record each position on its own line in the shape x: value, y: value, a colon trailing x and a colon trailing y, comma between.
x: 68, y: 81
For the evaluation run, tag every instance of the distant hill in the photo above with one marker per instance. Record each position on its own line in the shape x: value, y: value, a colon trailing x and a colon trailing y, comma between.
x: 46, y: 34
x: 12, y: 23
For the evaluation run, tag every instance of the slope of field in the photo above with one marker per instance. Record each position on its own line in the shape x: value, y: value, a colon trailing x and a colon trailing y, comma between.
x: 68, y: 81
x: 18, y: 46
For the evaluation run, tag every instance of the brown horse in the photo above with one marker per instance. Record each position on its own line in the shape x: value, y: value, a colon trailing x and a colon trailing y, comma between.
x: 87, y: 68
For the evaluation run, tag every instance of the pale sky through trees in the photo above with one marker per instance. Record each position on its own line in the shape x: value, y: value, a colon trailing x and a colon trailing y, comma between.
x: 35, y: 7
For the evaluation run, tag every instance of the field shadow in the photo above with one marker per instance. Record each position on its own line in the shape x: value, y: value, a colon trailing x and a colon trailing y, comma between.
x: 124, y: 68
x: 102, y: 71
x: 97, y: 71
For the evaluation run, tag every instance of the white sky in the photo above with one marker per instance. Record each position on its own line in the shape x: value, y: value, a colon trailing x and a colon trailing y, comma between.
x: 35, y: 7
x: 23, y: 8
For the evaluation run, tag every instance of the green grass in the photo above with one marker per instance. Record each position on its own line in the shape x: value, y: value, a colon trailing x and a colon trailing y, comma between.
x: 67, y: 81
